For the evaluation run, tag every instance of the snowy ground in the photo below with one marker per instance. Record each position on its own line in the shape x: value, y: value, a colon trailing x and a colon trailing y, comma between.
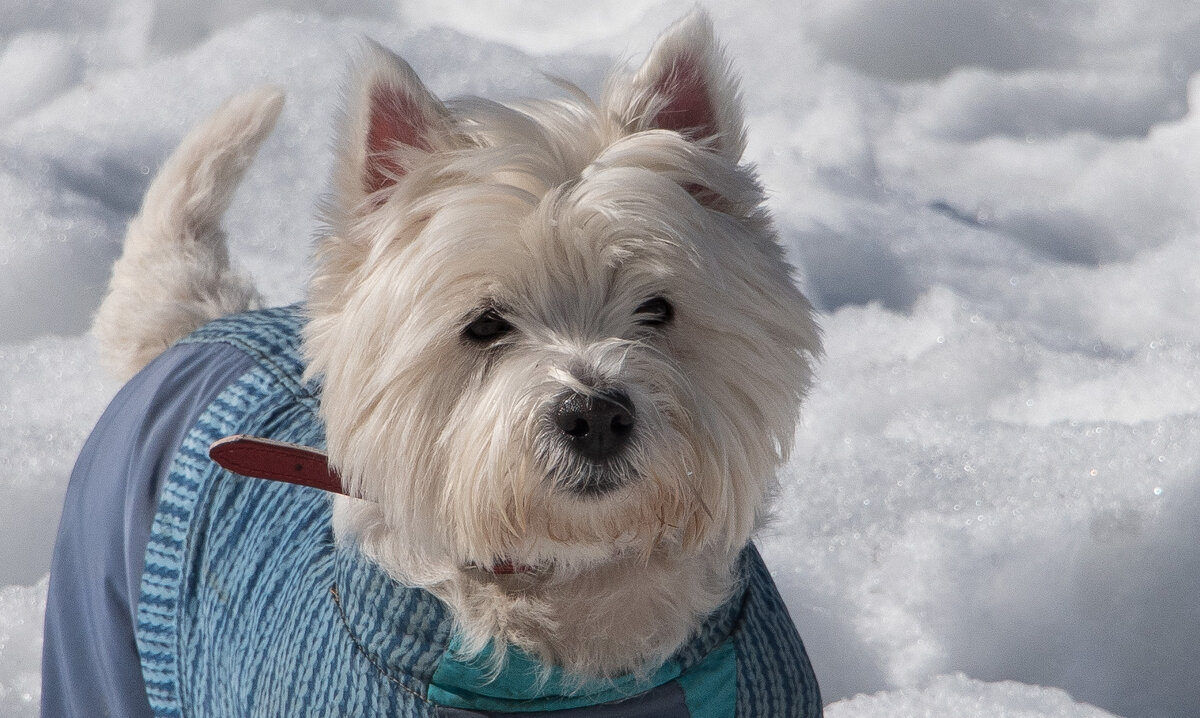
x: 991, y: 510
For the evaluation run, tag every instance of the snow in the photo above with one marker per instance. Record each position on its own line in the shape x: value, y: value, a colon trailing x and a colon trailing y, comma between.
x: 955, y: 696
x: 21, y: 609
x: 991, y: 506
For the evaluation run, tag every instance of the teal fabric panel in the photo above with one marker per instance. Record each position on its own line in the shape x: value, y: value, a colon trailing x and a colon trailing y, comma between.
x: 711, y: 687
x: 521, y: 685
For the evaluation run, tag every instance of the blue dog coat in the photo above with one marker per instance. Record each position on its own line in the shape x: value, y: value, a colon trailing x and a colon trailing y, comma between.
x: 247, y: 607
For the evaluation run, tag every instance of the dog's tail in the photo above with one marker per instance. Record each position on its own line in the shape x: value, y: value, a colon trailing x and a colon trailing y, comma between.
x: 174, y: 273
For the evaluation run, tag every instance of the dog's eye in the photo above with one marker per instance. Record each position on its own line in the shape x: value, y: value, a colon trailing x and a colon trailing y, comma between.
x: 654, y: 312
x: 487, y: 327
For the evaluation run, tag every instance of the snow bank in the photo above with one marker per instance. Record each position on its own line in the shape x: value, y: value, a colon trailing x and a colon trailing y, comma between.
x: 990, y: 509
x: 957, y: 696
x: 50, y: 395
x: 21, y: 609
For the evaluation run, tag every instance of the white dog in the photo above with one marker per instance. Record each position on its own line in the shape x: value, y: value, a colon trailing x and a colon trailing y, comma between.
x: 556, y: 358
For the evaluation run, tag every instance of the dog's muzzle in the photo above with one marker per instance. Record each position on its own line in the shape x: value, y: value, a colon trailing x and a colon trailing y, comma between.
x: 596, y: 428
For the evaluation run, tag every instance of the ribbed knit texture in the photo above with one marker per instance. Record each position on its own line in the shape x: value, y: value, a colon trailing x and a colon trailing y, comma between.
x: 774, y: 676
x: 248, y: 608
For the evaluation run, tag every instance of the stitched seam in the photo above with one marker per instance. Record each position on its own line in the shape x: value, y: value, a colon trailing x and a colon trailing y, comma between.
x: 337, y: 601
x: 296, y: 389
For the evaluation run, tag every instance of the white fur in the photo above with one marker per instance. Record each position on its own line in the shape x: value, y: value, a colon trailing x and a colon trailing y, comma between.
x: 567, y: 215
x: 174, y: 274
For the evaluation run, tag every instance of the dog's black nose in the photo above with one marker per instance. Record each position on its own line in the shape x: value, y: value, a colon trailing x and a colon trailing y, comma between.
x: 597, y: 425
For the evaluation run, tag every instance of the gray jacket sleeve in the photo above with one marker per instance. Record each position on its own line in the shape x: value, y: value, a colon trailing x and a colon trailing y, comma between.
x: 90, y: 664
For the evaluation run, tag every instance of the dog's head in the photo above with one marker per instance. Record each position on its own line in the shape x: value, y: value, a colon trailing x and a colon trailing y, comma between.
x: 555, y: 336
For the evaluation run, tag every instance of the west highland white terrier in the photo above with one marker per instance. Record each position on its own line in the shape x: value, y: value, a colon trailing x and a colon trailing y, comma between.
x: 555, y: 356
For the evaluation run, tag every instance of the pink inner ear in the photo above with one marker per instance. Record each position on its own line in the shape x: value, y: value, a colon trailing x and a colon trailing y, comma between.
x: 395, y: 120
x: 688, y: 109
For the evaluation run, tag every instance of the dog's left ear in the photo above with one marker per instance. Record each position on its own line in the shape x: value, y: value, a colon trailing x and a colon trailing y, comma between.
x: 687, y: 85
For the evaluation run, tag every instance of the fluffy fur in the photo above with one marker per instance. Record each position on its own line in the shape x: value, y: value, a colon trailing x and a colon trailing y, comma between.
x: 174, y: 273
x: 562, y: 218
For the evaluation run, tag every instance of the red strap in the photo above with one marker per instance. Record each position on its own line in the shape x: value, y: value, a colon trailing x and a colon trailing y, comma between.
x: 276, y: 460
x: 294, y: 464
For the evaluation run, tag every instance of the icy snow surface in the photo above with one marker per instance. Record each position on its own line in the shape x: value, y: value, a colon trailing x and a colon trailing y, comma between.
x: 991, y: 509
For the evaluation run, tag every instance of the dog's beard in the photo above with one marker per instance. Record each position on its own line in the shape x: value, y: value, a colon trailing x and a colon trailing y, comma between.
x: 533, y: 499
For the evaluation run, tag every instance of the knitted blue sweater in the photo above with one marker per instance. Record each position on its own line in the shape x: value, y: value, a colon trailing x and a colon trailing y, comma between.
x: 249, y: 608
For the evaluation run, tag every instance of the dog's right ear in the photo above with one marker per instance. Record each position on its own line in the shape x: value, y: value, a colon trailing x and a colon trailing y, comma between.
x: 390, y: 119
x: 687, y: 85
